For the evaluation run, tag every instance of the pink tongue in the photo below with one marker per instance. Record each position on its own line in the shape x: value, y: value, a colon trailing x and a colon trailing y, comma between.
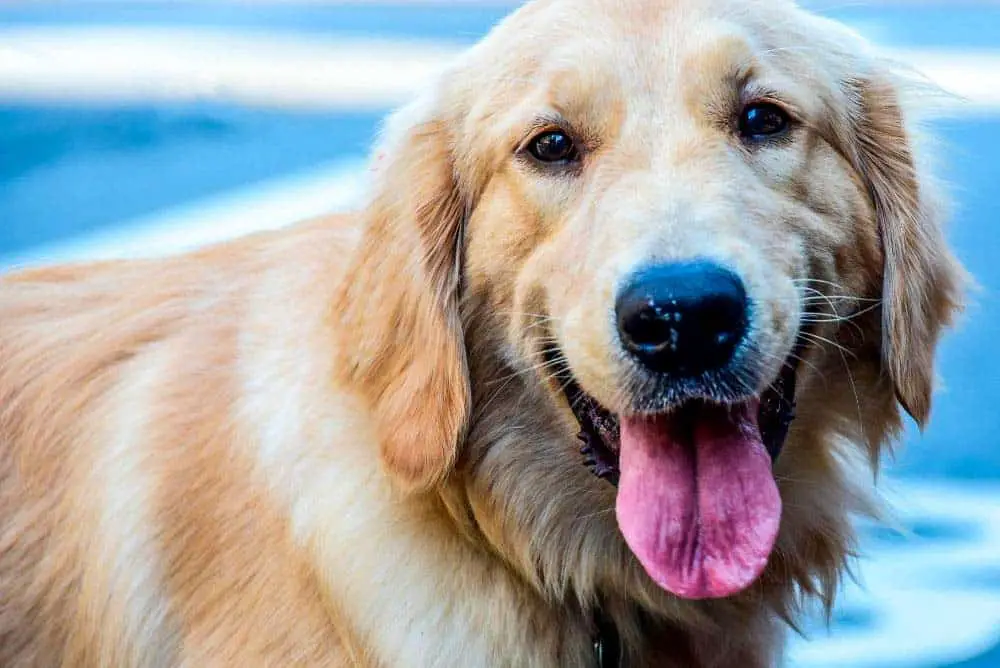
x: 697, y: 502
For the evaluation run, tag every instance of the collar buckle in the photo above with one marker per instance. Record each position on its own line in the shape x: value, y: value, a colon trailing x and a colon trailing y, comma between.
x: 606, y: 643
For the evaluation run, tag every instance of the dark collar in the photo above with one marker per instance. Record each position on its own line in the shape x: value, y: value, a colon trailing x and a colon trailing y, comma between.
x: 607, y: 643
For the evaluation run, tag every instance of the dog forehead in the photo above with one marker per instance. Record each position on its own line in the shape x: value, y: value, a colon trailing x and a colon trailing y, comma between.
x: 543, y: 22
x: 580, y: 46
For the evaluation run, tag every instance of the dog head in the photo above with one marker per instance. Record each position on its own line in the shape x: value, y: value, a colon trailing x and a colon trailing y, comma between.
x: 663, y: 225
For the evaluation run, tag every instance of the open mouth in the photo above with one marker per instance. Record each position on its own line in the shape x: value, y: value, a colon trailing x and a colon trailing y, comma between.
x: 696, y: 502
x: 600, y: 430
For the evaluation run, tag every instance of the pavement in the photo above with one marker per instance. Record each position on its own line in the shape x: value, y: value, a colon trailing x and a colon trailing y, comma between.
x: 141, y: 127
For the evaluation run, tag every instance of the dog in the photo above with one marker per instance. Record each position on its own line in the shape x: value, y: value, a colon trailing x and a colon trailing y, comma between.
x: 596, y: 377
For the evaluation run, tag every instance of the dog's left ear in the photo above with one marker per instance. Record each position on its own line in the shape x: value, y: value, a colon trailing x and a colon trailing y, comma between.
x: 404, y: 346
x: 921, y: 279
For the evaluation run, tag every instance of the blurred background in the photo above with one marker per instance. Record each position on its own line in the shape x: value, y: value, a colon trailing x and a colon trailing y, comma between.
x: 140, y: 128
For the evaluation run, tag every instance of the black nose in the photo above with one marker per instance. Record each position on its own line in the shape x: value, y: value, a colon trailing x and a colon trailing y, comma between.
x: 683, y: 318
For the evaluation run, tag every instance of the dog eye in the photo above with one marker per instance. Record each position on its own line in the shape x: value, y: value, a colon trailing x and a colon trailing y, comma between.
x: 553, y: 146
x: 762, y: 120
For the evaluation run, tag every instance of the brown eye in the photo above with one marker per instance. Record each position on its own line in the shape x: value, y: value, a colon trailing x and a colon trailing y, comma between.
x: 553, y: 146
x: 761, y: 121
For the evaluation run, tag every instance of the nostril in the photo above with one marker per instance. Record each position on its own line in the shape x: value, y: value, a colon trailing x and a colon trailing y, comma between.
x: 683, y: 318
x: 650, y: 324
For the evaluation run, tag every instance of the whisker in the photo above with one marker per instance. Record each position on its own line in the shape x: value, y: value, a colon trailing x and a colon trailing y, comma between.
x: 823, y: 297
x: 819, y: 281
x: 797, y: 358
x: 540, y: 366
x: 857, y: 399
x: 505, y: 381
x: 833, y: 311
x: 822, y: 340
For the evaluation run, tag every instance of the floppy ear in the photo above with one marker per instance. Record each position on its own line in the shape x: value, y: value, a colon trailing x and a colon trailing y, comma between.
x: 404, y: 345
x: 921, y: 279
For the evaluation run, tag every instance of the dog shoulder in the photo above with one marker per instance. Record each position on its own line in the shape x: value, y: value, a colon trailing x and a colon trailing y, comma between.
x: 119, y: 381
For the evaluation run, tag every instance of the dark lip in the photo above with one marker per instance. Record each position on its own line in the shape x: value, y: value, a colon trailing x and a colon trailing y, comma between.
x: 599, y: 427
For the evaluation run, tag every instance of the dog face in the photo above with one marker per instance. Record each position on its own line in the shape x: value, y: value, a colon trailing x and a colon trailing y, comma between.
x: 668, y: 240
x: 663, y: 224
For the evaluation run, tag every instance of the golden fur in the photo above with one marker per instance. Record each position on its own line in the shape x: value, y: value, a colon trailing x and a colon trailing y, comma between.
x: 338, y: 445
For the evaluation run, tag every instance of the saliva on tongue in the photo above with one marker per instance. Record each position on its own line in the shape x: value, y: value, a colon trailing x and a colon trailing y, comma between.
x: 697, y: 502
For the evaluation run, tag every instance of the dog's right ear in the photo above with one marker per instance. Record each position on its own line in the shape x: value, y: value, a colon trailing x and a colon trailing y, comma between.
x: 403, y: 344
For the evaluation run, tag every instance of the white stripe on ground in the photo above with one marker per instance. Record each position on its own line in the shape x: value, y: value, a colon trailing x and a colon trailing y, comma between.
x: 931, y: 602
x: 971, y: 75
x: 153, y: 63
x: 129, y: 64
x: 256, y: 207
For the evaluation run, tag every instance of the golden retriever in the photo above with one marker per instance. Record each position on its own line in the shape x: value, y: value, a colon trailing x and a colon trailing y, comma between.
x: 694, y: 233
